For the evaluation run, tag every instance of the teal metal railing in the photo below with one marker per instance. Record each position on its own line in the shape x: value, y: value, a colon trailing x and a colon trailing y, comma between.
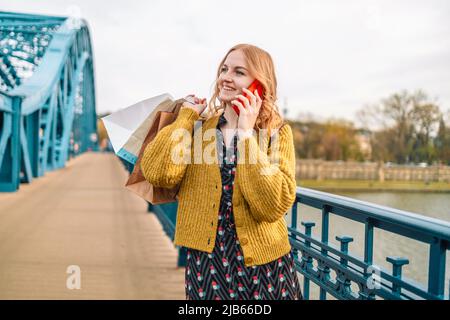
x: 373, y: 282
x: 47, y: 95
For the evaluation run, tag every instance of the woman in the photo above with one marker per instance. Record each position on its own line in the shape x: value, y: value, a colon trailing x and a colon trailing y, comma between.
x: 231, y: 216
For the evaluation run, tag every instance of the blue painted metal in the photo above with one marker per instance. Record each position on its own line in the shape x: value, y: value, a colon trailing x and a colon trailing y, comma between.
x: 325, y: 270
x: 47, y: 95
x: 307, y: 261
x: 397, y: 263
x: 350, y: 269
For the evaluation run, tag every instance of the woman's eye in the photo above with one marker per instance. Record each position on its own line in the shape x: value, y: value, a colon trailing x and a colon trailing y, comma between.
x: 237, y: 72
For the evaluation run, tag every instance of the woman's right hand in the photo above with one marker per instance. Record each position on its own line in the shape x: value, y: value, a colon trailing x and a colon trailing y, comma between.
x: 199, y: 105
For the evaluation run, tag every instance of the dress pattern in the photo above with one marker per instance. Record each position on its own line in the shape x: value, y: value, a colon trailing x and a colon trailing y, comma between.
x: 222, y: 274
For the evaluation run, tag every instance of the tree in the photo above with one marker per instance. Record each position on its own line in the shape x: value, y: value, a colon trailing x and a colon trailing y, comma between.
x: 406, y: 122
x: 442, y: 142
x: 333, y: 140
x: 339, y: 141
x: 426, y: 117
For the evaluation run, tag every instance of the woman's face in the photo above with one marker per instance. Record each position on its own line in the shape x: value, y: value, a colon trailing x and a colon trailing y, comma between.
x: 233, y: 76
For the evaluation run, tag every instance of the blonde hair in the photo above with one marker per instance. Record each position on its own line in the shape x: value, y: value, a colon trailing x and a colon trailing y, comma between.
x: 260, y: 65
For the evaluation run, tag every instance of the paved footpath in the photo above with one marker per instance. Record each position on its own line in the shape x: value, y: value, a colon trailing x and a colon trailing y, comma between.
x: 82, y: 215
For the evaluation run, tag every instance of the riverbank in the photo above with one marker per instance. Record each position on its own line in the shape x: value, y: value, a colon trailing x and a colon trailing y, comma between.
x: 365, y: 185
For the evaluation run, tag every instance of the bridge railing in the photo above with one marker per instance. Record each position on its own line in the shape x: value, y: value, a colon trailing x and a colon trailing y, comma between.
x: 373, y: 282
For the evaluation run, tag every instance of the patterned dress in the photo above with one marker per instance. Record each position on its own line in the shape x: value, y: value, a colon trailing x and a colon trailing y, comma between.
x: 222, y: 274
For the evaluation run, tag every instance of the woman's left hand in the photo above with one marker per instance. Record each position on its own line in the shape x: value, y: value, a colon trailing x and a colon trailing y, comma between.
x: 248, y: 111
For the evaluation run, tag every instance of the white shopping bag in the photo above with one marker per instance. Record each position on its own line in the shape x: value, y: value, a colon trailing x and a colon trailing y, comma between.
x: 122, y: 126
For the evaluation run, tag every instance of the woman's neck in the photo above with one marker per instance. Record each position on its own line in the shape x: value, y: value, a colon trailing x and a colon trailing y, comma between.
x: 231, y: 116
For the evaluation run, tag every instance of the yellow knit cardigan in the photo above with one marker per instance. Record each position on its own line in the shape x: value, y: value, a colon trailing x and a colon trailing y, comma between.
x: 260, y: 200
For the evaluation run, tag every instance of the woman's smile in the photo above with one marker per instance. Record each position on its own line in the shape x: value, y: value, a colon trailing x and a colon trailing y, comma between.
x: 228, y: 89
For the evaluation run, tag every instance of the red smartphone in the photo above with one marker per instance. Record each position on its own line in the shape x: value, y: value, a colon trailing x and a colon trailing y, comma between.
x: 255, y: 85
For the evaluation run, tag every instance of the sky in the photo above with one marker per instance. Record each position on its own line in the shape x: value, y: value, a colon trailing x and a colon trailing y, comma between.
x: 332, y: 58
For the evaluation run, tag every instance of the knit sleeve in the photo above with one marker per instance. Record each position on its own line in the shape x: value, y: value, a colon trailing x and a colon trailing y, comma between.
x: 268, y: 182
x: 163, y: 163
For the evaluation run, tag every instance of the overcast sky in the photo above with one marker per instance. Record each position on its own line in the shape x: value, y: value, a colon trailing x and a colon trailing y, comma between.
x: 331, y: 57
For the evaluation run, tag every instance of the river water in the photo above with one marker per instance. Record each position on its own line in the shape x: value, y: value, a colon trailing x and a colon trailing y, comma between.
x: 435, y: 205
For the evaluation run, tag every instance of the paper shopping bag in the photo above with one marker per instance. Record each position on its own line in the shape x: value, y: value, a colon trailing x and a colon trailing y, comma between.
x: 136, y: 182
x: 127, y: 128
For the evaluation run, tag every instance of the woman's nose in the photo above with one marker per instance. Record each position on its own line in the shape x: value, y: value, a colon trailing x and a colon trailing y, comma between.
x: 227, y: 79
